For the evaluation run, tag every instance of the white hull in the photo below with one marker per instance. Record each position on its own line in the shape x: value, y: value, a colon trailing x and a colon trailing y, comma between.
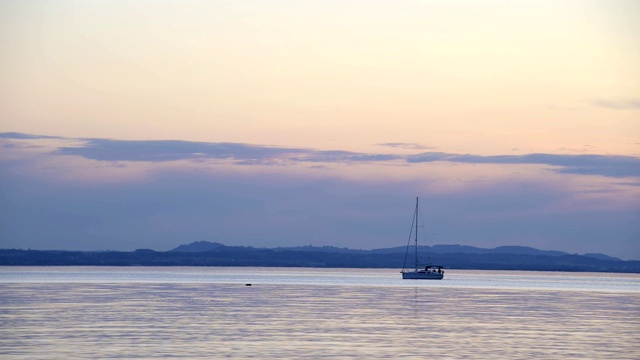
x: 421, y: 274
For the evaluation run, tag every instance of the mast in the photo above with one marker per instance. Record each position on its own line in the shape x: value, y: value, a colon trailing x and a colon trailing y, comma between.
x: 417, y: 233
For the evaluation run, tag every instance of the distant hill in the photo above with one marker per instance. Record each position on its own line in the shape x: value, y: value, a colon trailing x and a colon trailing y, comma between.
x: 465, y: 249
x: 601, y: 257
x: 199, y: 246
x: 205, y: 253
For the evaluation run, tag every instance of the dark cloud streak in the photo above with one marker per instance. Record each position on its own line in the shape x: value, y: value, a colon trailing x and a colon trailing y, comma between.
x: 616, y: 166
x: 21, y: 136
x: 410, y: 146
x: 631, y: 104
x: 171, y: 150
x: 243, y: 154
x: 605, y: 165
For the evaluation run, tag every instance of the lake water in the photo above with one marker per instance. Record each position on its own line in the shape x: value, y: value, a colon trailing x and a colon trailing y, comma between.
x: 301, y: 313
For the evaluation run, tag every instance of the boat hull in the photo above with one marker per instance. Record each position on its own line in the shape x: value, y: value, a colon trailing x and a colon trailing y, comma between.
x: 422, y: 275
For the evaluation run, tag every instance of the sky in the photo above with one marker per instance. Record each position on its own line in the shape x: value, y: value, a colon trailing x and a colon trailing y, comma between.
x: 151, y: 124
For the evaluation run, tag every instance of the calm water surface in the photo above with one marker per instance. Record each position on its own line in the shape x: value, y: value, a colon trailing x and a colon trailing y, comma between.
x: 298, y: 313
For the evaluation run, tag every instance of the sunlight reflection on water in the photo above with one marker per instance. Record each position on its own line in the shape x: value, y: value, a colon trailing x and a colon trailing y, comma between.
x: 209, y: 313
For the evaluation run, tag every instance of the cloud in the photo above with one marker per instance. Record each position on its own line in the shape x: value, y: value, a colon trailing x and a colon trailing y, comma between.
x: 156, y: 151
x: 605, y: 165
x: 242, y: 154
x: 630, y: 104
x: 410, y: 146
x: 21, y: 136
x: 171, y: 150
x: 345, y: 157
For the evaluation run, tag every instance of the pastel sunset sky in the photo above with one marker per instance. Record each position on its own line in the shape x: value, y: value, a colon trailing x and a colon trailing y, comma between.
x: 150, y: 124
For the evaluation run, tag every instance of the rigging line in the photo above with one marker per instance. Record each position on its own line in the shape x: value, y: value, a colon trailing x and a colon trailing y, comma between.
x: 406, y: 252
x: 424, y: 237
x: 424, y: 231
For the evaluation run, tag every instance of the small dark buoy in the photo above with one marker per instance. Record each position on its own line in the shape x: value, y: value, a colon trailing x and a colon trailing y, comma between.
x: 247, y: 284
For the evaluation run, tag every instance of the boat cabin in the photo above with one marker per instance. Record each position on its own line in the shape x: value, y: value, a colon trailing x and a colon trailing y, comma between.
x: 434, y: 269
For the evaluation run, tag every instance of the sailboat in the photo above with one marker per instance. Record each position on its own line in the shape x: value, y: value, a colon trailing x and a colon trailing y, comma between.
x: 429, y: 272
